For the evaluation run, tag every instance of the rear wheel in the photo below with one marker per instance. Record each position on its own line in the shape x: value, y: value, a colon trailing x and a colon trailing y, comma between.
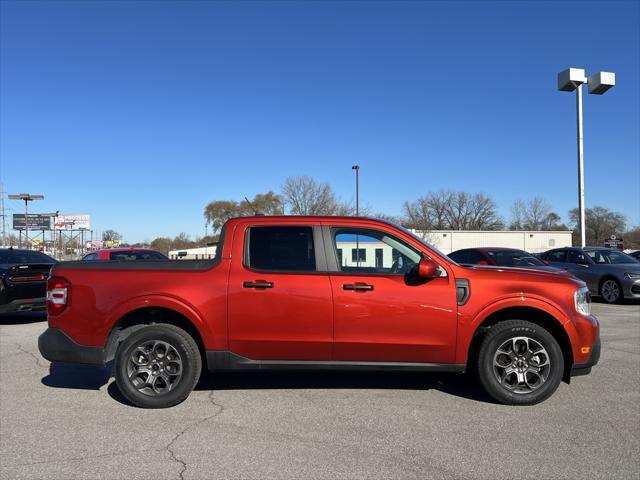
x: 157, y: 366
x: 519, y: 363
x: 610, y: 291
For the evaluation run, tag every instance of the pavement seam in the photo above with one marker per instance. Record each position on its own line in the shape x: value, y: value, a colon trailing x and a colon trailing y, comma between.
x: 172, y: 453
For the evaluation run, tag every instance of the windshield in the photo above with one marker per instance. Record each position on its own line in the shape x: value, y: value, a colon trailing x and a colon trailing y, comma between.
x: 612, y: 257
x: 24, y: 256
x: 514, y: 258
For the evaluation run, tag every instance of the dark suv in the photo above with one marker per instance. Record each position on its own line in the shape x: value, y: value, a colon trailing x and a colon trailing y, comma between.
x: 609, y: 273
x: 23, y: 280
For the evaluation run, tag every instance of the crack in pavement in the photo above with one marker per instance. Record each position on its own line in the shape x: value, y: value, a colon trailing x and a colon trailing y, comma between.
x: 33, y: 355
x: 169, y: 446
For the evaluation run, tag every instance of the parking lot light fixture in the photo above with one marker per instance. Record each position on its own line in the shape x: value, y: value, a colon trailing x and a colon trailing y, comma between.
x: 569, y: 80
x: 27, y: 197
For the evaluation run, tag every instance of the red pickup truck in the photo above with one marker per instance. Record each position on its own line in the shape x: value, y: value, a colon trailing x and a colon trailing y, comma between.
x: 319, y: 293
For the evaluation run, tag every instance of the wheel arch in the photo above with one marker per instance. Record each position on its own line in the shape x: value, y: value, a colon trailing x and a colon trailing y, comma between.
x: 150, y: 315
x: 534, y: 315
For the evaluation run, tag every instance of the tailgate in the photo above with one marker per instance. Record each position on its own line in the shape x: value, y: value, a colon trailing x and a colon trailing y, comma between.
x: 26, y: 281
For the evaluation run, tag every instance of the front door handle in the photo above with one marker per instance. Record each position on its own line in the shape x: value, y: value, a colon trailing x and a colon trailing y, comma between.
x: 258, y: 284
x: 357, y: 286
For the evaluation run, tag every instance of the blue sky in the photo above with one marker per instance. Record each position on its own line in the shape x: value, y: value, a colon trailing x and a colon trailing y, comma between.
x: 140, y: 113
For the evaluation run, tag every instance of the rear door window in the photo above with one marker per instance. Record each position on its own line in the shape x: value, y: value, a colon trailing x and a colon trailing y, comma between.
x: 280, y: 249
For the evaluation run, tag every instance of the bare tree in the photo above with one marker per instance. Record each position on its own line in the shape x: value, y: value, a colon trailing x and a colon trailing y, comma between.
x: 398, y: 220
x: 534, y: 215
x: 518, y: 214
x: 600, y: 223
x: 110, y: 235
x: 632, y: 238
x: 304, y: 196
x: 481, y: 213
x: 428, y: 212
x: 219, y: 211
x: 450, y: 210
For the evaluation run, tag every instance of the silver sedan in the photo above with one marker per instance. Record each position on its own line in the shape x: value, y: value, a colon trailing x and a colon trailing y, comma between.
x: 609, y: 273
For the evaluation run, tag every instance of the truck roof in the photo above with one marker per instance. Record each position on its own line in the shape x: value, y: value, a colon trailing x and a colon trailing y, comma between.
x: 308, y: 218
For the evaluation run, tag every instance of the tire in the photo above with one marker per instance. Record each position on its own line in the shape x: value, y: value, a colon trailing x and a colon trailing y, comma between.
x: 611, y: 291
x: 513, y: 375
x: 157, y: 366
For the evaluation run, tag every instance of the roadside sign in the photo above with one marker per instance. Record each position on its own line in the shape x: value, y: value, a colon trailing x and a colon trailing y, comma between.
x: 36, y: 221
x: 614, y: 242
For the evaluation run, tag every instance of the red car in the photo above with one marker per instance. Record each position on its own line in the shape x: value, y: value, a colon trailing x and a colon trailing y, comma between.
x: 319, y: 293
x: 125, y: 254
x: 500, y: 257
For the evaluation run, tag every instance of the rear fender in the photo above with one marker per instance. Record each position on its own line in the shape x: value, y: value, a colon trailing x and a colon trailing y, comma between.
x: 162, y: 301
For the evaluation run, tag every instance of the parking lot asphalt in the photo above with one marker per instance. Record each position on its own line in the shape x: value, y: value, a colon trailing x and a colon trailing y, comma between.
x: 64, y: 421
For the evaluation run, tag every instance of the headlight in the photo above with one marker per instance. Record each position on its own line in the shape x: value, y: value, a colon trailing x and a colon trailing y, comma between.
x: 633, y: 276
x: 583, y: 301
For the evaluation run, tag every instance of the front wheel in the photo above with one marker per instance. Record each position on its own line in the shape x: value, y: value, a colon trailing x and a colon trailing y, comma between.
x: 610, y: 291
x: 157, y: 366
x: 519, y: 363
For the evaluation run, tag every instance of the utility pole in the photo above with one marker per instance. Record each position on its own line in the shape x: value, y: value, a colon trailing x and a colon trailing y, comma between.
x: 4, y: 216
x: 357, y: 169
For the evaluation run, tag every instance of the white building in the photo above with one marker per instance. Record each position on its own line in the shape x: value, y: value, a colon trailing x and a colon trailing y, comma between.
x: 371, y: 254
x: 200, y: 253
x: 530, y: 241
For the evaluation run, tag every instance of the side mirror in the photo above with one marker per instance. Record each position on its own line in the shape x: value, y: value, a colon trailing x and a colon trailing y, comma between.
x: 427, y: 268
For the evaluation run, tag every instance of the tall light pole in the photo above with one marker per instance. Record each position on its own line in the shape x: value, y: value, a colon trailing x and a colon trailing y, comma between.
x: 357, y: 169
x: 569, y: 80
x: 27, y: 197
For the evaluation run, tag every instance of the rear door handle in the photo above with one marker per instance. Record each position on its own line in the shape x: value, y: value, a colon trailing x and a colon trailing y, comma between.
x: 258, y: 284
x: 357, y: 286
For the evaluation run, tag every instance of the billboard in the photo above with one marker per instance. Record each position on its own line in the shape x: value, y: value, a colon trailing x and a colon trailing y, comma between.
x: 36, y: 221
x: 112, y: 243
x: 72, y: 222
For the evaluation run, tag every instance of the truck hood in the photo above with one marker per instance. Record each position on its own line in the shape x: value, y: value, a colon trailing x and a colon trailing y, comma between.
x: 540, y: 272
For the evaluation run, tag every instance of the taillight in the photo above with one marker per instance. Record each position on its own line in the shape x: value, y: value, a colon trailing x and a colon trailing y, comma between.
x: 57, y: 295
x: 37, y: 277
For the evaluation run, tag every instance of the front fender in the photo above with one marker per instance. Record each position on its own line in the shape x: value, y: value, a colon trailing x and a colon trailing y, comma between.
x: 469, y: 323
